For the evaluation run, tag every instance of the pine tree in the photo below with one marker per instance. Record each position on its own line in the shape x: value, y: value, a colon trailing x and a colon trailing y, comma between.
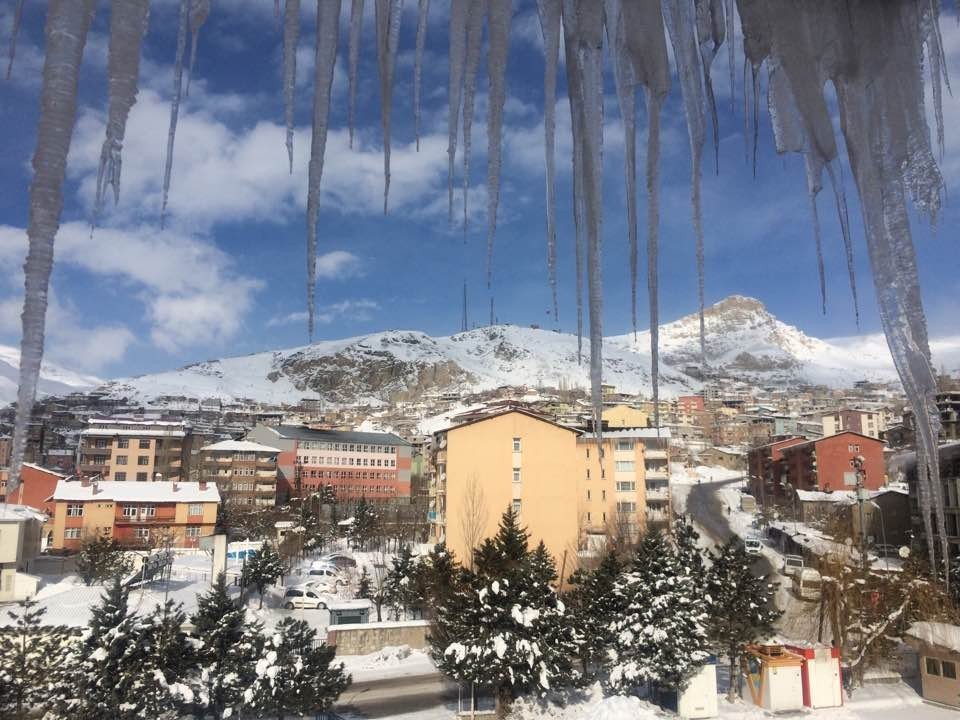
x: 543, y: 569
x: 293, y: 675
x: 363, y: 587
x: 400, y: 586
x: 263, y: 568
x: 742, y: 607
x: 593, y: 605
x: 688, y: 552
x: 30, y: 655
x: 660, y: 638
x: 328, y: 495
x: 227, y: 650
x: 504, y: 627
x: 102, y: 558
x: 167, y: 660
x: 365, y: 523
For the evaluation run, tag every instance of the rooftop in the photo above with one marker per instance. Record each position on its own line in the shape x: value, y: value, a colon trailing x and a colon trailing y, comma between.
x: 302, y: 432
x: 20, y: 513
x: 122, y: 491
x: 240, y: 446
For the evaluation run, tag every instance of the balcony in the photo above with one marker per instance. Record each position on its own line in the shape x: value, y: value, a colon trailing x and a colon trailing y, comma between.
x: 656, y: 474
x: 142, y: 519
x: 655, y: 454
x: 657, y: 494
x: 266, y: 488
x: 267, y: 473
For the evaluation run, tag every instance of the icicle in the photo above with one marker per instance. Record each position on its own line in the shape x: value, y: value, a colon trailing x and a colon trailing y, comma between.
x: 388, y: 14
x: 813, y: 188
x: 478, y: 8
x: 626, y: 98
x: 128, y: 23
x: 653, y: 233
x: 276, y: 9
x: 574, y: 95
x: 68, y: 22
x: 711, y: 31
x: 353, y: 51
x: 499, y: 15
x: 175, y: 105
x: 459, y: 17
x: 549, y: 11
x: 680, y: 24
x: 199, y: 12
x: 840, y: 198
x: 17, y: 17
x: 328, y: 36
x: 422, y: 13
x: 731, y: 22
x: 291, y: 39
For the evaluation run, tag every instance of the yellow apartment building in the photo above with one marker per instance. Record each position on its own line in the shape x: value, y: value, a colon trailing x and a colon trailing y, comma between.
x: 565, y: 492
x: 624, y: 416
x: 134, y: 448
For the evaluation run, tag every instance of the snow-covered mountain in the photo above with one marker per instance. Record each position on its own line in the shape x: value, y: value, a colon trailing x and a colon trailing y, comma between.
x: 54, y: 380
x: 743, y: 341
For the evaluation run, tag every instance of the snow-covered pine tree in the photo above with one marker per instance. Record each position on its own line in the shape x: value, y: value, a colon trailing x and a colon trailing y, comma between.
x: 30, y: 655
x: 228, y: 648
x: 363, y: 586
x: 661, y: 637
x: 593, y: 604
x: 161, y: 688
x: 293, y: 676
x: 505, y: 628
x: 364, y: 525
x: 543, y: 570
x: 102, y: 558
x: 742, y: 607
x: 689, y: 553
x: 400, y: 587
x: 262, y: 568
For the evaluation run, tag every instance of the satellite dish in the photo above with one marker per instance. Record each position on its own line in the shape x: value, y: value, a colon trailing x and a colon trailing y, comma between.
x: 904, y: 552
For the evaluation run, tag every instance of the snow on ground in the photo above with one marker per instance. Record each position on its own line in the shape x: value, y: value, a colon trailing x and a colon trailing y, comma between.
x: 390, y: 662
x: 682, y: 478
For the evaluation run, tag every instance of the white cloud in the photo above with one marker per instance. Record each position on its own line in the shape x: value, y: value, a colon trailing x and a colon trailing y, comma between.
x: 339, y: 265
x: 359, y: 310
x: 288, y: 319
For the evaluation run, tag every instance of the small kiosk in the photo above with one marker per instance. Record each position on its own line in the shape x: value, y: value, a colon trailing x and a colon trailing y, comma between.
x: 820, y: 673
x: 774, y: 677
x: 938, y: 647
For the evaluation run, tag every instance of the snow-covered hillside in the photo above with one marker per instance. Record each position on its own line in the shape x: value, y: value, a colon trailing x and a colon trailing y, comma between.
x: 54, y: 380
x: 743, y: 340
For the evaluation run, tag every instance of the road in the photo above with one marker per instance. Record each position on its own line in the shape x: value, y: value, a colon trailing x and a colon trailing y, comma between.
x: 395, y: 696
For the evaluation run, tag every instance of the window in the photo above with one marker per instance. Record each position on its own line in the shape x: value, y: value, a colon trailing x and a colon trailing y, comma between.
x: 141, y: 533
x: 626, y: 486
x: 71, y: 534
x: 933, y: 666
x: 516, y: 474
x: 588, y: 494
x: 74, y: 510
x: 624, y: 445
x: 120, y: 476
x: 516, y: 444
x: 123, y: 442
x: 195, y: 509
x: 193, y: 531
x: 588, y: 453
x: 850, y: 478
x: 603, y: 494
x: 588, y: 473
x: 949, y: 669
x: 853, y: 448
x: 121, y: 459
x: 141, y: 477
x: 144, y: 444
x: 129, y: 511
x: 626, y: 507
x: 625, y: 466
x: 143, y: 460
x: 516, y: 507
x: 588, y: 517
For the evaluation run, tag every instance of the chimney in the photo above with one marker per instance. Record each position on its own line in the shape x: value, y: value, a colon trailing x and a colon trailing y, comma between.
x: 175, y: 486
x: 84, y: 481
x: 96, y: 485
x: 203, y: 484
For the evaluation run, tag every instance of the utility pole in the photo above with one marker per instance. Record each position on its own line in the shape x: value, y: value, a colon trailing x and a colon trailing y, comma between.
x: 861, y: 499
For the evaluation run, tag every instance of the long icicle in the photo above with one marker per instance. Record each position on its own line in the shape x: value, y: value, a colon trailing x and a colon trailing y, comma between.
x: 128, y: 24
x: 549, y: 11
x: 499, y: 15
x: 574, y: 93
x: 199, y: 12
x: 478, y: 9
x: 175, y: 104
x: 711, y: 31
x: 388, y: 14
x: 423, y: 12
x: 66, y: 28
x: 353, y: 64
x: 459, y: 17
x: 840, y: 199
x: 653, y: 234
x: 681, y: 27
x: 328, y: 36
x: 813, y: 189
x: 731, y: 15
x: 17, y: 18
x: 291, y: 39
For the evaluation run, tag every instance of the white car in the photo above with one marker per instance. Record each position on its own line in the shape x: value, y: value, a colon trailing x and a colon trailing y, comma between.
x: 330, y: 575
x: 304, y: 597
x: 752, y: 545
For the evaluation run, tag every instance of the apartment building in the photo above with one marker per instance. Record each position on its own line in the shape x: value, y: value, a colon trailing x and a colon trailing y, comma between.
x: 767, y: 471
x: 866, y: 422
x: 21, y: 540
x: 244, y: 472
x: 950, y: 484
x: 624, y: 416
x: 829, y: 463
x: 134, y: 449
x: 174, y: 513
x: 375, y: 466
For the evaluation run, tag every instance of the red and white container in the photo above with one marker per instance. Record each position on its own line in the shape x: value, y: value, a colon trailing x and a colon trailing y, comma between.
x: 820, y: 674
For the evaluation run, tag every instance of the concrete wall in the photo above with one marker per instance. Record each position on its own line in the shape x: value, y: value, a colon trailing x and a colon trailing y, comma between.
x: 372, y: 637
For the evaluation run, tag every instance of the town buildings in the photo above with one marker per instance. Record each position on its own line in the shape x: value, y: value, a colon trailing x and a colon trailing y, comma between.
x: 174, y: 514
x: 21, y: 539
x: 36, y: 487
x: 950, y: 487
x: 866, y: 422
x: 830, y: 463
x: 244, y: 472
x: 766, y: 469
x: 374, y: 466
x: 134, y: 448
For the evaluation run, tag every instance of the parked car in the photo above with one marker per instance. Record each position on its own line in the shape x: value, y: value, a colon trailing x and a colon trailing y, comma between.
x: 792, y: 565
x: 806, y: 584
x: 752, y: 545
x: 305, y: 598
x: 339, y: 560
x: 330, y: 575
x: 885, y: 551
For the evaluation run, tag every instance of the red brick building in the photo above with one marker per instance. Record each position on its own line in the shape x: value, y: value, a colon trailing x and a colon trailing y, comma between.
x: 687, y: 404
x: 766, y: 469
x: 36, y: 487
x: 828, y: 463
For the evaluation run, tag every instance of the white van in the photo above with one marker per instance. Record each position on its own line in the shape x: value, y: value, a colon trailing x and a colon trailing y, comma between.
x: 806, y: 584
x: 792, y: 565
x: 305, y: 598
x: 752, y: 545
x: 327, y: 574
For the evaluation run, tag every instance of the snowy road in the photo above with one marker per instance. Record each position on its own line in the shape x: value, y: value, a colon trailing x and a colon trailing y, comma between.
x: 395, y: 696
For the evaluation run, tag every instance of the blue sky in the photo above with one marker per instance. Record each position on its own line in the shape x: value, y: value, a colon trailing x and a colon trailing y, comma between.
x: 227, y: 276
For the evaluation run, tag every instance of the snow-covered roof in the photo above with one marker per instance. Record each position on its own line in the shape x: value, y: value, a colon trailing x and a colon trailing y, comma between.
x: 20, y: 513
x: 43, y: 469
x: 844, y: 496
x: 122, y: 491
x: 240, y: 446
x: 940, y: 635
x: 664, y: 433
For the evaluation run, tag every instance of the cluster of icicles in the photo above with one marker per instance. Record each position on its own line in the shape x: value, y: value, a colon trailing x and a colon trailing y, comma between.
x: 875, y: 55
